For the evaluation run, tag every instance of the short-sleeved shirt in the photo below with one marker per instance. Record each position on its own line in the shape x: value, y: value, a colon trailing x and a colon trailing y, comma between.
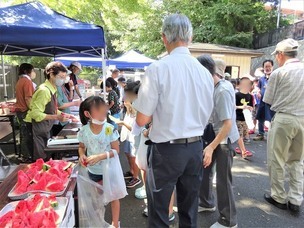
x: 224, y: 109
x: 62, y: 98
x: 285, y: 89
x: 97, y: 144
x: 240, y: 99
x: 24, y: 89
x: 177, y: 91
x: 112, y: 96
x: 40, y: 99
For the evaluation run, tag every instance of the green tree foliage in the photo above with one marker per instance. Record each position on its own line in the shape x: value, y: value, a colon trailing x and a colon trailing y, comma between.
x: 136, y: 24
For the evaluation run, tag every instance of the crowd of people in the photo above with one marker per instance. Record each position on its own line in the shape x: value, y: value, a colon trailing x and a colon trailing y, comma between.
x: 177, y: 126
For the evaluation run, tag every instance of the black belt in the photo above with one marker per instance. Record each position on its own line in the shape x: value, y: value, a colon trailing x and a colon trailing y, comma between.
x: 185, y: 141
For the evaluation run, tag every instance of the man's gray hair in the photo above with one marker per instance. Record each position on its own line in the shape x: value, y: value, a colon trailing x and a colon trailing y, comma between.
x: 177, y: 27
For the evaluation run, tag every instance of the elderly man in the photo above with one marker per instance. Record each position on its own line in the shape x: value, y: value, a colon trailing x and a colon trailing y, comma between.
x: 176, y: 93
x: 219, y: 148
x: 286, y: 137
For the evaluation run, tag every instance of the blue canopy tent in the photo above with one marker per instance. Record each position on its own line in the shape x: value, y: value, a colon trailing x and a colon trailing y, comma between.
x: 130, y: 59
x: 32, y: 29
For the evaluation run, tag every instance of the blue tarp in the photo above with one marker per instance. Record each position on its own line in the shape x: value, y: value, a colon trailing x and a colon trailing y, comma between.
x: 32, y: 29
x: 130, y: 59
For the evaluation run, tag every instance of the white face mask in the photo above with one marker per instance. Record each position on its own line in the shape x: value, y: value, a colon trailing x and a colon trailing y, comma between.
x: 97, y: 122
x: 67, y: 79
x: 59, y: 81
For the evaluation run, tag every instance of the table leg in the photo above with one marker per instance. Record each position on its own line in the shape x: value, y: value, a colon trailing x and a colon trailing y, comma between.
x: 12, y: 120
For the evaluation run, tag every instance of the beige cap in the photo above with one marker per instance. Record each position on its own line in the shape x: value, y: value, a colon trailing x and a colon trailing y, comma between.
x: 220, y: 67
x: 287, y: 45
x: 76, y: 64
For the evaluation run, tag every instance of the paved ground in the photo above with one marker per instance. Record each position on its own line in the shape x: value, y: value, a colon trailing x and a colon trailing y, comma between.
x: 250, y: 183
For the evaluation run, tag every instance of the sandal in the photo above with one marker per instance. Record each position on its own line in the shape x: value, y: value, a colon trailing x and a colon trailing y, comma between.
x: 247, y: 154
x: 238, y: 150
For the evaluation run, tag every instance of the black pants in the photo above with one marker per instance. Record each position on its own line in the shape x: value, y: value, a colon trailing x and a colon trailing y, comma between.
x: 26, y: 136
x: 223, y: 157
x: 171, y: 165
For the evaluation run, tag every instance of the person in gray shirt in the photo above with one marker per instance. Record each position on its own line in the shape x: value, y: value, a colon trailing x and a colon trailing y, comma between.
x: 218, y: 150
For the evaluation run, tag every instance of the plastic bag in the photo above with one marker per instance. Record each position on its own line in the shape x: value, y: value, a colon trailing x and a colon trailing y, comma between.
x: 141, y: 155
x: 248, y: 118
x: 114, y: 185
x: 90, y: 201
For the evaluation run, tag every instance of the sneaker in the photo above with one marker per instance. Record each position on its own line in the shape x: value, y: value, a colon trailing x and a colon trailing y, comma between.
x: 145, y: 212
x: 133, y: 182
x: 247, y: 141
x: 171, y: 217
x: 258, y: 137
x: 128, y: 175
x: 206, y: 209
x: 140, y: 193
x: 247, y: 154
x: 218, y: 225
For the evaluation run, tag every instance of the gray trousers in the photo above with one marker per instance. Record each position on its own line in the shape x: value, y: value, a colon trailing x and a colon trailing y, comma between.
x: 171, y: 165
x: 223, y: 157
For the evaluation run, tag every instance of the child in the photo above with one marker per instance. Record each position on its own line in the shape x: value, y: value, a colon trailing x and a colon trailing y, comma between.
x: 255, y: 93
x: 113, y: 100
x: 130, y: 142
x: 243, y: 101
x: 97, y: 137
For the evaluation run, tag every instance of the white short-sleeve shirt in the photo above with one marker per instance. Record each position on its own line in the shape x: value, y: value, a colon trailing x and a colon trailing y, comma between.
x: 177, y: 91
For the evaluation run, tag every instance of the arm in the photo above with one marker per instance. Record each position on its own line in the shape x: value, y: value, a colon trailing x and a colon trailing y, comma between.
x: 69, y: 104
x: 111, y: 103
x: 142, y: 119
x: 28, y: 101
x: 82, y: 156
x: 271, y: 88
x: 77, y: 91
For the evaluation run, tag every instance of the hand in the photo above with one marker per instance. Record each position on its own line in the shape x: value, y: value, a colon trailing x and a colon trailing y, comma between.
x: 259, y: 95
x: 146, y: 133
x: 93, y: 159
x: 63, y: 118
x: 83, y: 161
x: 208, y: 152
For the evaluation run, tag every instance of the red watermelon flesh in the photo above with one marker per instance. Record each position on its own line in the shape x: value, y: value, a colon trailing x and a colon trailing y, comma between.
x: 6, y: 219
x: 22, y: 182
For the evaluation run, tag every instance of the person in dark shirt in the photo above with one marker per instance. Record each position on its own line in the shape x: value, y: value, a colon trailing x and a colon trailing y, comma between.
x: 75, y: 69
x: 243, y: 101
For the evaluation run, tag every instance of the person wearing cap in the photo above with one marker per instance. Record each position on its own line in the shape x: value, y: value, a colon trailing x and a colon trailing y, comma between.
x: 75, y: 69
x: 286, y: 137
x: 179, y: 119
x: 115, y: 74
x: 218, y: 138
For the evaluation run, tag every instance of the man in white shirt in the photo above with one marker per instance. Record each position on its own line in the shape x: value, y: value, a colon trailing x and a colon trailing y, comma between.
x: 177, y: 96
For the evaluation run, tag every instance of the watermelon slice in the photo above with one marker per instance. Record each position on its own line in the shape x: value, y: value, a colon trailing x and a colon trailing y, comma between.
x: 22, y: 182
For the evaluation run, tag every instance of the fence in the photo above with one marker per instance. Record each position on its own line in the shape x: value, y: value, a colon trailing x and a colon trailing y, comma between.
x: 295, y: 31
x: 11, y: 80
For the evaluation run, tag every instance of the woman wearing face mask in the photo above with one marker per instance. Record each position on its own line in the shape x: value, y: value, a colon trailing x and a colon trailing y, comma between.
x: 24, y: 91
x: 43, y: 108
x: 65, y: 101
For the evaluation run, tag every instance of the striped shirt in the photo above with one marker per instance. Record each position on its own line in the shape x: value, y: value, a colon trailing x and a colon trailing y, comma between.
x: 285, y: 89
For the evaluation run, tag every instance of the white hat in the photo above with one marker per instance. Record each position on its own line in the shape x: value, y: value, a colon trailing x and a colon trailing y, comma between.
x: 220, y: 67
x: 76, y: 64
x: 287, y: 45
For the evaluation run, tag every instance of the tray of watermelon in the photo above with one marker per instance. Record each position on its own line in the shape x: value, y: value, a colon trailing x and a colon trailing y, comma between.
x: 38, y: 210
x: 51, y: 177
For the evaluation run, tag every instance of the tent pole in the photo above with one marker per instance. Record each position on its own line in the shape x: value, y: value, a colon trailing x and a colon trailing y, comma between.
x: 4, y: 78
x: 104, y: 73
